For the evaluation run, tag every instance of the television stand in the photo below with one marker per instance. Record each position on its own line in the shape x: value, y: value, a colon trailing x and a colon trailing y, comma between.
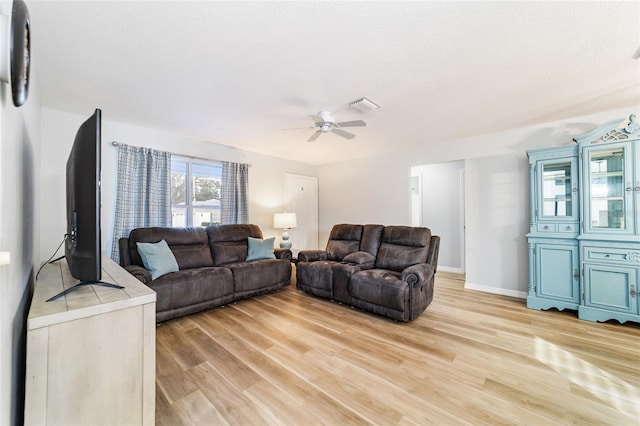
x: 90, y: 356
x: 82, y: 284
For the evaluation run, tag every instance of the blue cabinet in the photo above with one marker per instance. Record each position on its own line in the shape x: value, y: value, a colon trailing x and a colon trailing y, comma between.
x: 584, y: 236
x: 556, y: 277
x: 553, y: 249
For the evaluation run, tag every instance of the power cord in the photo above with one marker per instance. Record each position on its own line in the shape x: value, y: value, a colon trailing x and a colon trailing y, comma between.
x: 52, y: 256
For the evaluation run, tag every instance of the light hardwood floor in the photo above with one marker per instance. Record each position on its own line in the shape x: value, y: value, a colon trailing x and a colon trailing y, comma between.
x: 470, y: 358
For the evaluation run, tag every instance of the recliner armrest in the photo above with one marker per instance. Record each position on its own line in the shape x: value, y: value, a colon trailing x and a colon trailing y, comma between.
x: 282, y: 253
x: 139, y: 272
x: 418, y: 274
x: 359, y: 258
x: 312, y: 255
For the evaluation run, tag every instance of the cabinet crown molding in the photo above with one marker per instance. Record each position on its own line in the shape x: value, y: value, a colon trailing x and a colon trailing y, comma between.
x: 616, y: 130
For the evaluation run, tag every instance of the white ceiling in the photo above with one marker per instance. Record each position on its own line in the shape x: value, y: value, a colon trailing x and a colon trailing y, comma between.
x: 238, y: 73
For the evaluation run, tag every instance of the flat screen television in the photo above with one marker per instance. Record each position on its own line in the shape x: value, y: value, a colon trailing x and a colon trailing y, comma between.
x: 83, y: 242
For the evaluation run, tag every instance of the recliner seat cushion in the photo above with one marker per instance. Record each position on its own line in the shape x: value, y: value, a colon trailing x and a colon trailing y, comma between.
x: 316, y: 277
x: 192, y: 286
x: 259, y: 276
x: 380, y: 287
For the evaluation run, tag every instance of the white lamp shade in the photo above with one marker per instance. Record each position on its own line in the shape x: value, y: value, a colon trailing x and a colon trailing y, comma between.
x: 284, y: 220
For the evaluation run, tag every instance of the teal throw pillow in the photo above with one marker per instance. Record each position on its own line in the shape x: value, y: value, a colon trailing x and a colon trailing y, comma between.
x: 157, y: 258
x: 260, y: 249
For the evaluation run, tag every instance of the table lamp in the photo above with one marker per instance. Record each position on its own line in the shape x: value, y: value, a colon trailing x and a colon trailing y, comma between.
x: 284, y: 221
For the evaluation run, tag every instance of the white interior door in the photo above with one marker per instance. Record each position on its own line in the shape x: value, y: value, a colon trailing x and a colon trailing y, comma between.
x: 301, y: 198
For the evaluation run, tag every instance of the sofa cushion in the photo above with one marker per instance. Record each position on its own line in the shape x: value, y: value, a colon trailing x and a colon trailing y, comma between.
x: 380, y: 287
x: 157, y: 258
x: 189, y: 245
x: 228, y: 243
x: 192, y: 286
x: 316, y: 277
x: 343, y: 239
x: 259, y: 276
x: 260, y: 249
x: 403, y: 246
x: 371, y: 236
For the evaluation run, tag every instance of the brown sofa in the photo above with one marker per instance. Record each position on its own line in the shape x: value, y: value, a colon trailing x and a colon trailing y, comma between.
x: 388, y: 270
x: 212, y: 267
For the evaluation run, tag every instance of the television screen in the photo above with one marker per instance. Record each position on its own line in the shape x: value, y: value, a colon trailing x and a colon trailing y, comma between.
x: 82, y: 240
x: 82, y: 247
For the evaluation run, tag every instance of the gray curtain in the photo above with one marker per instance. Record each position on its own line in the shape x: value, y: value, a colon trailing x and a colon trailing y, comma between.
x: 233, y: 197
x: 143, y: 195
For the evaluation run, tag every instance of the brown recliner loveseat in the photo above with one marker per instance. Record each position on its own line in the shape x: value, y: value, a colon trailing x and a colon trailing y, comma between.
x: 388, y: 270
x: 213, y: 269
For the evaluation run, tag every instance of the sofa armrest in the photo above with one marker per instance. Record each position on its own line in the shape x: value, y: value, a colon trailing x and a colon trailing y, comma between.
x: 312, y: 255
x: 123, y: 246
x: 360, y: 258
x: 418, y: 274
x: 282, y: 253
x: 139, y: 272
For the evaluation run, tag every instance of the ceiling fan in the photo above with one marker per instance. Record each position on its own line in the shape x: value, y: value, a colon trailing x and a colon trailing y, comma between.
x: 324, y: 122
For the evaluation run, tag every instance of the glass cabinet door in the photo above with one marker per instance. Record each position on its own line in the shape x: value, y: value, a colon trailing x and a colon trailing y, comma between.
x: 557, y: 189
x: 608, y: 174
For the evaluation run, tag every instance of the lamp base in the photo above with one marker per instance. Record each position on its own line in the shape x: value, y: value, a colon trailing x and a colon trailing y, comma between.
x: 286, y: 244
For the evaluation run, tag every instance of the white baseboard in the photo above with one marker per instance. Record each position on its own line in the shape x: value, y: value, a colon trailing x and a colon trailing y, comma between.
x: 449, y: 269
x: 496, y: 290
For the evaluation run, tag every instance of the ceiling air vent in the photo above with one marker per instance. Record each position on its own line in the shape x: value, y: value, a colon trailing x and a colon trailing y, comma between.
x: 364, y: 105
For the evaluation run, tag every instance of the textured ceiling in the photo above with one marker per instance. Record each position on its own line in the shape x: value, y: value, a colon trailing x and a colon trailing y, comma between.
x: 238, y: 73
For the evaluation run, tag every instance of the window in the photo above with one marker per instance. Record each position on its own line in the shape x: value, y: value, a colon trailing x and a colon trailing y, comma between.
x: 195, y: 192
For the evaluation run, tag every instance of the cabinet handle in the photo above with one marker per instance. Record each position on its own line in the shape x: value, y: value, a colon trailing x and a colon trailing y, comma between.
x: 576, y: 275
x: 628, y: 189
x: 633, y: 293
x: 575, y: 190
x: 546, y: 227
x: 567, y: 228
x: 607, y: 255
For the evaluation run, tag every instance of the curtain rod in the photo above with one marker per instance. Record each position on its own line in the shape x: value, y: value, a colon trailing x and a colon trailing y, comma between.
x: 191, y: 157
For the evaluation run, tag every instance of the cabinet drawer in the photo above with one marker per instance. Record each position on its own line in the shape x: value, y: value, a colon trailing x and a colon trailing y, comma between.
x: 566, y: 227
x: 546, y: 227
x: 628, y: 256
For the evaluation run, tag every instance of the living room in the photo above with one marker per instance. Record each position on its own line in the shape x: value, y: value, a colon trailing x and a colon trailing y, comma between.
x: 353, y: 187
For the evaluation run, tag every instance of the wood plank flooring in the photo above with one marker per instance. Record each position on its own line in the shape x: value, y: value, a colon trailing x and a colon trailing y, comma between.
x: 471, y: 358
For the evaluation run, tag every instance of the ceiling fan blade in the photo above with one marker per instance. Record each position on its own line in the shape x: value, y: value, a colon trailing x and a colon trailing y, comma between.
x: 298, y: 128
x: 354, y: 123
x: 316, y: 118
x: 343, y: 133
x: 314, y: 136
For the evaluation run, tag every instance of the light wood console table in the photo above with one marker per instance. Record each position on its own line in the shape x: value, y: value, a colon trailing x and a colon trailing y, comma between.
x: 91, y: 353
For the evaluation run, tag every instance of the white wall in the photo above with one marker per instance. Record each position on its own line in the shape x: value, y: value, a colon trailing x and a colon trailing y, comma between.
x: 377, y: 190
x: 266, y: 174
x: 19, y: 237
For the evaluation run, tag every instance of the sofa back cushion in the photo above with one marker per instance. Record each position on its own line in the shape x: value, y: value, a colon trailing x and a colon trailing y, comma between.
x: 228, y: 243
x: 371, y: 238
x: 403, y: 246
x: 343, y: 239
x: 189, y: 245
